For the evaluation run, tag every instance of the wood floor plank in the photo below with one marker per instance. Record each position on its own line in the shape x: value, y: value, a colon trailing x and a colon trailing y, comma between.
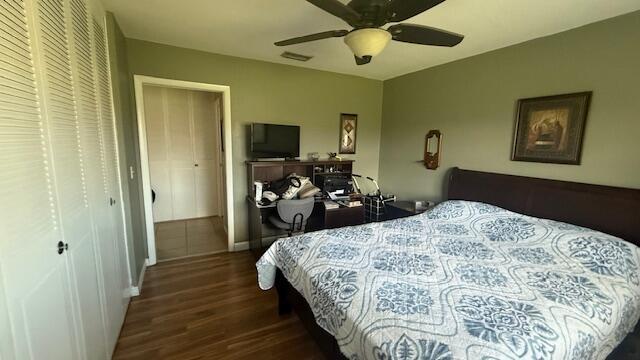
x: 210, y: 307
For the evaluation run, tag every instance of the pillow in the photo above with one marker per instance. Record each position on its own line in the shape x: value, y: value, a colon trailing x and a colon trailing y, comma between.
x: 307, y: 190
x: 281, y: 186
x: 293, y: 190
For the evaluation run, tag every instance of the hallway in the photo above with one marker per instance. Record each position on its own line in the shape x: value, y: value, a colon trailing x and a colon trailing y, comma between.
x: 176, y: 239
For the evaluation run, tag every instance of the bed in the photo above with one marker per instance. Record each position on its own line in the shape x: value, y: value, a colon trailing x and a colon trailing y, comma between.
x: 508, y: 268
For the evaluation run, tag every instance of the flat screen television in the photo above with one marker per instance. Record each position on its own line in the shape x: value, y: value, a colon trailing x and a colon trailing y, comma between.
x: 274, y: 141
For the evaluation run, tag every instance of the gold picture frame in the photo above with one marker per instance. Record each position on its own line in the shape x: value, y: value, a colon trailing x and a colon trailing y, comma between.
x: 550, y: 129
x: 348, y: 130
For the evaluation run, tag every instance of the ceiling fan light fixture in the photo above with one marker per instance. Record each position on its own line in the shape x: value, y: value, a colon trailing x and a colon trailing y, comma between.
x: 367, y: 42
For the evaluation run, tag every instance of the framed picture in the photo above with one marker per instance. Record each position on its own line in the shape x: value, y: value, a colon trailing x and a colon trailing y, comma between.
x: 550, y: 129
x: 348, y: 128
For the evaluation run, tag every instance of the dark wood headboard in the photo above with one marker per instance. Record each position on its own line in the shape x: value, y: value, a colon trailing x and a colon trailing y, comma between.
x: 612, y: 210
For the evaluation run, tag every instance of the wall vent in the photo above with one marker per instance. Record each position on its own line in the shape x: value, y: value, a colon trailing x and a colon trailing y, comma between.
x: 294, y: 56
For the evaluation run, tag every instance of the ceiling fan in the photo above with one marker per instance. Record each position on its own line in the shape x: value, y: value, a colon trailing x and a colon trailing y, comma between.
x: 367, y: 39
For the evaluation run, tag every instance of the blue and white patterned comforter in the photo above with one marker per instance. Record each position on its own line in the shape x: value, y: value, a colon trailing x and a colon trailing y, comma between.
x: 465, y: 280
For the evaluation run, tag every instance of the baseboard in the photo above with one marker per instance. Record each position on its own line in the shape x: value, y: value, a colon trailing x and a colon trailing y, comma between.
x: 241, y: 246
x: 136, y: 290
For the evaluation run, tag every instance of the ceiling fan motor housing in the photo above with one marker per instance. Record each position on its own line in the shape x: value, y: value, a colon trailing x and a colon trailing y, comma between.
x: 367, y: 42
x: 367, y: 39
x: 373, y: 13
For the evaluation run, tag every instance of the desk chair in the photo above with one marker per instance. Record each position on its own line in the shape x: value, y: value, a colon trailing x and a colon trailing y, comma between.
x: 292, y: 215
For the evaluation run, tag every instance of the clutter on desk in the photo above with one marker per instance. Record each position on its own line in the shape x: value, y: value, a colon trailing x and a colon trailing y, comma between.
x: 333, y: 156
x: 374, y: 202
x: 308, y: 190
x: 422, y: 205
x: 331, y: 182
x: 269, y: 195
x: 280, y: 187
x: 350, y: 203
x: 296, y: 184
x: 287, y: 188
x: 338, y: 195
x: 257, y: 186
x: 329, y: 204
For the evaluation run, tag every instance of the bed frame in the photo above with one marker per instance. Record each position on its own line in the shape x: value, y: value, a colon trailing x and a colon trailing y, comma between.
x: 612, y: 210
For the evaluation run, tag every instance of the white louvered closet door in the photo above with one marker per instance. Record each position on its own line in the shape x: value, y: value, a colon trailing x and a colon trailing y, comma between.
x: 58, y: 182
x: 86, y: 254
x: 114, y: 252
x: 38, y: 288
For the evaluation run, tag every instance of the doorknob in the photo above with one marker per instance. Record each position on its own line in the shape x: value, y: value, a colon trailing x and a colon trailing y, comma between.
x: 62, y: 247
x: 196, y: 165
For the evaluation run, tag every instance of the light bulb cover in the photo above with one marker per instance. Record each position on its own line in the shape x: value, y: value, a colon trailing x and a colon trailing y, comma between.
x: 367, y: 42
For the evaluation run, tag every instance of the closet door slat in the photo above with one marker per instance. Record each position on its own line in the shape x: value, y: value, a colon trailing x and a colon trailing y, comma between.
x: 86, y: 102
x: 104, y: 101
x: 62, y: 117
x: 25, y: 179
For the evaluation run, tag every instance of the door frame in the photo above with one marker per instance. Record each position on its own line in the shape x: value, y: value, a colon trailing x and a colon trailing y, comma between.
x: 139, y: 82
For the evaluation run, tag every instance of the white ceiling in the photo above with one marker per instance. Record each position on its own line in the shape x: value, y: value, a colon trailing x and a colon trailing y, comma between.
x: 248, y: 28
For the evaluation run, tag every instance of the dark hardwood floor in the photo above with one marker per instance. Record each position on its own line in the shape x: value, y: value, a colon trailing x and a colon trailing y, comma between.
x: 210, y: 307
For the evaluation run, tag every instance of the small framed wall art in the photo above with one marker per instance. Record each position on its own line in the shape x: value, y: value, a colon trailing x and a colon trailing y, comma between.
x: 550, y: 129
x: 432, y: 149
x: 348, y: 128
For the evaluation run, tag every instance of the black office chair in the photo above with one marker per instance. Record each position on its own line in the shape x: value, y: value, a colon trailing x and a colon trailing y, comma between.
x: 292, y: 215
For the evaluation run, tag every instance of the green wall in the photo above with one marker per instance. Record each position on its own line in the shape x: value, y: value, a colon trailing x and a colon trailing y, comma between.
x: 473, y: 103
x: 124, y: 109
x: 267, y: 92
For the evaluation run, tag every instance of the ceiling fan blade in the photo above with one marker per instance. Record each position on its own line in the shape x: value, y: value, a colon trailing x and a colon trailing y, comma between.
x: 424, y: 35
x: 336, y: 8
x: 402, y: 10
x: 313, y: 37
x: 362, y: 60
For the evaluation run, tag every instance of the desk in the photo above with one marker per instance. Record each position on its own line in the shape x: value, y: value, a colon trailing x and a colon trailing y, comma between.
x: 340, y: 217
x: 320, y: 218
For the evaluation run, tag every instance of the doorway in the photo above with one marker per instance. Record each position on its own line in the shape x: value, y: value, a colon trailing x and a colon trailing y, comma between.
x: 185, y: 150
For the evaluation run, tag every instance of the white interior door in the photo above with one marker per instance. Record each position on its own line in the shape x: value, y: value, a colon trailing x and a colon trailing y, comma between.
x: 170, y: 148
x: 206, y: 150
x: 158, y: 147
x: 183, y: 195
x: 183, y: 149
x: 222, y: 180
x: 180, y: 154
